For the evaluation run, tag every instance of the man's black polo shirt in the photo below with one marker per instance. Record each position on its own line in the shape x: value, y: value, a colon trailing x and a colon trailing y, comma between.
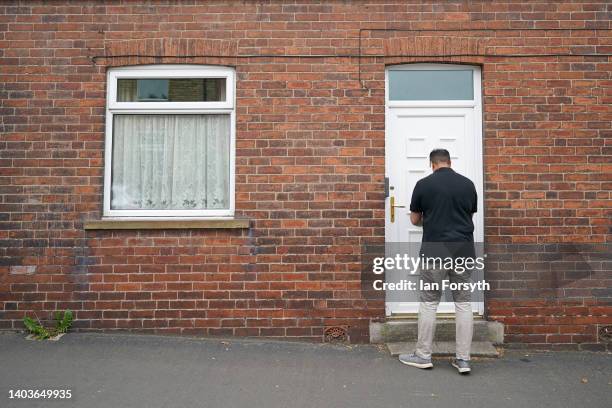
x: 447, y: 201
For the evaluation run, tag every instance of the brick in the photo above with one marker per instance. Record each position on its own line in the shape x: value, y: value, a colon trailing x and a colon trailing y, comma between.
x: 309, y: 167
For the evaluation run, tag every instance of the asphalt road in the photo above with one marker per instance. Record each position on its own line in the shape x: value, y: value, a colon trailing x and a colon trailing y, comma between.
x: 123, y: 371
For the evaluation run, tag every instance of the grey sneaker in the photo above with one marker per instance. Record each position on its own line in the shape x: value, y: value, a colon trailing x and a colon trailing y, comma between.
x: 415, y: 361
x: 463, y: 366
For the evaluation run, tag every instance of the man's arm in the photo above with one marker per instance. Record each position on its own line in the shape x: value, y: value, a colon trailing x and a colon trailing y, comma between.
x: 416, y: 205
x: 416, y: 218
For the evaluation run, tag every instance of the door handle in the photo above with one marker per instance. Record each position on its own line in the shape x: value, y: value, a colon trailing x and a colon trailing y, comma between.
x: 393, y: 207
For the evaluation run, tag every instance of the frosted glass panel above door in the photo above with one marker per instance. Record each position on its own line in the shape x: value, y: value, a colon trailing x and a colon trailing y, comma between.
x: 431, y: 85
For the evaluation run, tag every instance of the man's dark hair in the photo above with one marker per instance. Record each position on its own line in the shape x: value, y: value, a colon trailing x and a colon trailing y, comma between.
x: 439, y: 156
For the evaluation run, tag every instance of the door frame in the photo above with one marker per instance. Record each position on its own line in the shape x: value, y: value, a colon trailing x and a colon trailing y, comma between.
x: 477, y: 164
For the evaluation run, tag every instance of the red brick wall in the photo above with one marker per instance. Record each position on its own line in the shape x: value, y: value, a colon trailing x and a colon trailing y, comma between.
x: 309, y: 160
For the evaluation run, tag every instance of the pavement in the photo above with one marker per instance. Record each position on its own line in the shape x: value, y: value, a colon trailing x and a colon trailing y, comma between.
x: 123, y: 371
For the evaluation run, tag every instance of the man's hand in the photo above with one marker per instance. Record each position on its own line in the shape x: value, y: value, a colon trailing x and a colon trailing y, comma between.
x: 416, y: 218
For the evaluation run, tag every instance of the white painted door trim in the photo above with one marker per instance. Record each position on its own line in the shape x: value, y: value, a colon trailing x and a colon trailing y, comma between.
x: 476, y: 167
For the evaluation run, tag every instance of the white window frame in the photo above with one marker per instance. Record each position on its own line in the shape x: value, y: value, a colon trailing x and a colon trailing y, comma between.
x: 173, y: 108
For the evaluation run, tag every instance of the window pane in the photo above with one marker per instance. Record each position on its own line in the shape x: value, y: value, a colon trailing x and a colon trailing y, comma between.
x: 170, y: 162
x: 171, y: 90
x: 431, y: 85
x: 152, y: 89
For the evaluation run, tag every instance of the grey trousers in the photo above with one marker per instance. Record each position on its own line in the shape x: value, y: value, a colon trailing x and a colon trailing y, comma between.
x: 464, y: 319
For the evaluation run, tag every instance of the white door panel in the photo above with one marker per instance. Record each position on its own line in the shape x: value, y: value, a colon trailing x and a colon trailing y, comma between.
x: 413, y: 129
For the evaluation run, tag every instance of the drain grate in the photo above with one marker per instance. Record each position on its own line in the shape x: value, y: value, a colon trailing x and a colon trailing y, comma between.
x: 605, y: 334
x: 335, y: 334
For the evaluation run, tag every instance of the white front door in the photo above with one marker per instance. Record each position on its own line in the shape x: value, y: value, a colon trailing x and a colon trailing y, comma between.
x: 429, y: 106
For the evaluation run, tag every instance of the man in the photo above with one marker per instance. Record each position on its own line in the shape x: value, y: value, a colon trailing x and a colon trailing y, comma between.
x: 443, y: 203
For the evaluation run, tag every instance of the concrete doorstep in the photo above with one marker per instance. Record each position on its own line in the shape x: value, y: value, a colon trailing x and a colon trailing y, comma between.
x: 406, y: 330
x: 445, y: 348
